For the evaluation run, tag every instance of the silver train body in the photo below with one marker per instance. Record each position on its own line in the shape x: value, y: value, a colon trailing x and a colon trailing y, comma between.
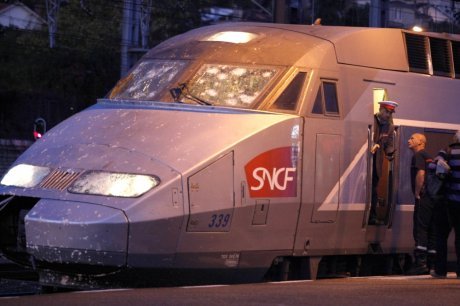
x: 232, y: 153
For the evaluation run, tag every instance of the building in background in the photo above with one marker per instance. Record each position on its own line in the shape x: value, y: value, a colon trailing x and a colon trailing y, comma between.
x: 429, y: 14
x: 217, y: 14
x: 19, y: 16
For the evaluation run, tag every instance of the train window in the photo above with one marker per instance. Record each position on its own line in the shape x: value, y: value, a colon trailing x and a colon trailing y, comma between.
x: 318, y: 105
x: 147, y: 80
x: 326, y: 101
x: 330, y: 98
x: 234, y: 86
x: 289, y: 97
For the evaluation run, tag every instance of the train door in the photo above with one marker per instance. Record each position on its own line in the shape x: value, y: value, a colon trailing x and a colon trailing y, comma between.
x: 327, y: 177
x: 381, y: 174
x: 436, y: 139
x: 211, y: 194
x: 327, y: 152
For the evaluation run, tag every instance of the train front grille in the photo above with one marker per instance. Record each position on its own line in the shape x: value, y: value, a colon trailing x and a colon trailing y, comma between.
x: 59, y: 179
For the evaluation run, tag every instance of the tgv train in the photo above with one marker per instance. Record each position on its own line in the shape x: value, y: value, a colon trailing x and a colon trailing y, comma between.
x: 231, y: 153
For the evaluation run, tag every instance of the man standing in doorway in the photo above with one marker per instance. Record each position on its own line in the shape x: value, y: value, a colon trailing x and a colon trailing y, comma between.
x: 383, y: 146
x: 423, y: 230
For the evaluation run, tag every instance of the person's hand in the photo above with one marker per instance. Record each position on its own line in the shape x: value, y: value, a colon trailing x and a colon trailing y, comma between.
x: 375, y: 148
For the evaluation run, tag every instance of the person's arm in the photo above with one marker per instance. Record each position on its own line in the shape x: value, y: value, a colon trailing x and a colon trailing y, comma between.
x: 419, y: 180
x: 390, y: 146
x: 443, y: 155
x: 375, y: 136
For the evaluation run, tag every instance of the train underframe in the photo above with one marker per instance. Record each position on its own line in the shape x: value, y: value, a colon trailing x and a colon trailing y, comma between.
x: 283, y: 268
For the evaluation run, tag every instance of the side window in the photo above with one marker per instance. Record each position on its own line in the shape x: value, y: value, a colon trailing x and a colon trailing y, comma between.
x: 330, y: 98
x: 318, y: 106
x: 290, y: 96
x: 326, y: 101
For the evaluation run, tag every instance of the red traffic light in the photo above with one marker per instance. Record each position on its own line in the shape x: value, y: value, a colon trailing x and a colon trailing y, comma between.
x: 37, y: 135
x: 39, y: 128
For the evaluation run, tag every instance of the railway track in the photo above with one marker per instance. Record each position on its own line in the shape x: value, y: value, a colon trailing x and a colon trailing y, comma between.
x: 16, y: 280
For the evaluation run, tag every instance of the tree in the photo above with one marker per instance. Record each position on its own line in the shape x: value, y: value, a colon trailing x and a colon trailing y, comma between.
x: 64, y: 80
x: 171, y: 18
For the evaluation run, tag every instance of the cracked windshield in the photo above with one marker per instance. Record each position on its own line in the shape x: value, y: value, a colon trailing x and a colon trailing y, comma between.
x: 224, y: 85
x: 147, y: 81
x: 233, y: 86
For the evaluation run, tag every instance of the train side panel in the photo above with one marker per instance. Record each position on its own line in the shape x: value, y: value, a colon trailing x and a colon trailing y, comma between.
x: 264, y: 165
x: 340, y: 213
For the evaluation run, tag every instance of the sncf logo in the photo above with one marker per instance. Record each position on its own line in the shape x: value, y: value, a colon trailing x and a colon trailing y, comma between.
x: 272, y: 174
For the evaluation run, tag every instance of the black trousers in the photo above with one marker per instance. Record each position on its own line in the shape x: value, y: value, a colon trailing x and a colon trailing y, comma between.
x: 447, y: 216
x: 424, y: 228
x: 376, y: 172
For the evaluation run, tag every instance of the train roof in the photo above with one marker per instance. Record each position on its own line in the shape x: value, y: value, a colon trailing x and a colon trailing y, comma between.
x: 279, y: 44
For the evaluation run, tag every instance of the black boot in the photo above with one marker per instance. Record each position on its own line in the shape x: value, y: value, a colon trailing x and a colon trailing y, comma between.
x: 421, y: 266
x: 431, y: 259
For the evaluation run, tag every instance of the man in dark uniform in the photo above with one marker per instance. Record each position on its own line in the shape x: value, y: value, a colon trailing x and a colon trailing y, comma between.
x: 423, y: 231
x: 448, y: 209
x: 383, y: 146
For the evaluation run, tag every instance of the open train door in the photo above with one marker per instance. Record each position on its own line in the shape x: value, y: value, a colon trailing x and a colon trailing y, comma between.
x: 381, y: 175
x: 385, y: 200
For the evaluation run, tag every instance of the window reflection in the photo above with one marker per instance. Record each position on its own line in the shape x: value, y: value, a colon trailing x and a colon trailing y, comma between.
x: 290, y: 96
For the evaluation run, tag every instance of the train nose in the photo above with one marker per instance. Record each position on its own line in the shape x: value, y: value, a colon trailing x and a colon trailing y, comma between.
x: 78, y: 233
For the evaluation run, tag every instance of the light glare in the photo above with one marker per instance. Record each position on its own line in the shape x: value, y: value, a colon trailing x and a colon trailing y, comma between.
x: 25, y: 176
x: 113, y: 184
x: 232, y: 37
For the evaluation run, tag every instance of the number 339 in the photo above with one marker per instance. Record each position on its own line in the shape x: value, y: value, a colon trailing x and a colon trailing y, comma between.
x: 220, y: 220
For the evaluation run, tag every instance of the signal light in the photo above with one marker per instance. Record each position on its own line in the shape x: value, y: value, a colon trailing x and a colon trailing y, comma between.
x: 39, y: 128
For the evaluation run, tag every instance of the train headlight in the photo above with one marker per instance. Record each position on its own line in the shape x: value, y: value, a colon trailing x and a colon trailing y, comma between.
x: 24, y: 175
x: 114, y: 184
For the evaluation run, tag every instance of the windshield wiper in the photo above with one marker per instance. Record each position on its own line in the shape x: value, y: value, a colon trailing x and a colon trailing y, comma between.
x: 183, y: 91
